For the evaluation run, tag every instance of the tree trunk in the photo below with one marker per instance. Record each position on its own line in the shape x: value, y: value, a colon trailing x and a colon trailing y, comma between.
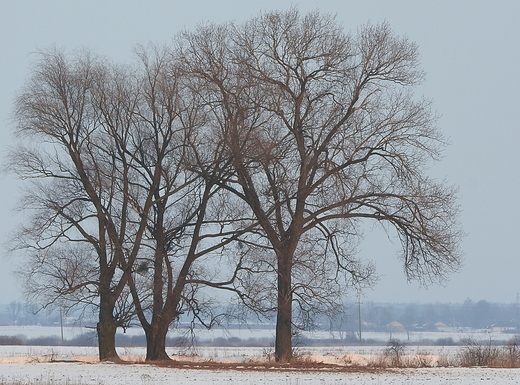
x: 156, y: 343
x: 106, y: 331
x: 156, y: 333
x: 283, y: 344
x: 107, y: 325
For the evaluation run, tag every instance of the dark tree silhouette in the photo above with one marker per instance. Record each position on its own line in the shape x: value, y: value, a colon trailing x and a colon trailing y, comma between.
x: 324, y: 132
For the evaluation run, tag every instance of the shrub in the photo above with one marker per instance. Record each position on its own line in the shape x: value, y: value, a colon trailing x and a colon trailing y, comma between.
x: 446, y: 341
x: 395, y: 350
x: 512, y: 352
x: 447, y: 360
x: 476, y: 352
x: 10, y: 340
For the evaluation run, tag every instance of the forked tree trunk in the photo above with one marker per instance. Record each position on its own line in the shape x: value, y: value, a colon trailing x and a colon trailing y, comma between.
x: 156, y: 343
x: 283, y: 343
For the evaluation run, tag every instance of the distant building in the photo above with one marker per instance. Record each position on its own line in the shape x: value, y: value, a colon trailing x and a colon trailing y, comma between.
x: 395, y: 327
x: 504, y: 327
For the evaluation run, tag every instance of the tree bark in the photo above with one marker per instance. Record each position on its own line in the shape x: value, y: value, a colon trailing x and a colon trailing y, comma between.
x: 107, y: 325
x: 106, y: 331
x: 156, y: 343
x: 283, y: 343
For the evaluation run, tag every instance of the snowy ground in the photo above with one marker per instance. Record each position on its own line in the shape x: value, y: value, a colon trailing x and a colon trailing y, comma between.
x: 78, y: 366
x: 113, y: 374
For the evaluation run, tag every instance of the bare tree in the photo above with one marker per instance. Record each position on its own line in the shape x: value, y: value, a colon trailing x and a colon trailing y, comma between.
x: 190, y: 221
x: 14, y: 311
x: 125, y: 182
x: 76, y: 157
x: 324, y: 133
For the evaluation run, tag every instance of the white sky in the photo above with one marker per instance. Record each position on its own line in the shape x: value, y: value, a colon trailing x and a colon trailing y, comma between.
x: 470, y: 52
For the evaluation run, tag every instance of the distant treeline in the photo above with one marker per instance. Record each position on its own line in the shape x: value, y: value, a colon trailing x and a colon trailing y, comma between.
x: 472, y: 314
x: 374, y: 316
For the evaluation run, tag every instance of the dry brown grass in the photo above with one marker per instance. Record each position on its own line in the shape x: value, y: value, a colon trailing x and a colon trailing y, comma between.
x: 297, y: 365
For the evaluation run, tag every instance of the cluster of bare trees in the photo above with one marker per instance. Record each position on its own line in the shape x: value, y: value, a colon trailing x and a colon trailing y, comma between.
x: 244, y: 157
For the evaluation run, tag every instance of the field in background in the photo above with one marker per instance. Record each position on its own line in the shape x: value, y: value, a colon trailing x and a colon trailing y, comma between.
x: 253, y: 336
x: 245, y: 333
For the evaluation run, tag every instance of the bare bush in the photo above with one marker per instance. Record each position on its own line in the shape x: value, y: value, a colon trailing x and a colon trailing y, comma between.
x: 446, y: 341
x: 447, y: 360
x: 10, y: 340
x: 511, y: 352
x: 476, y: 352
x: 395, y: 351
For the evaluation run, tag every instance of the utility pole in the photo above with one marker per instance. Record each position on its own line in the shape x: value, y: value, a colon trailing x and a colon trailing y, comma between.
x: 359, y: 319
x: 517, y: 315
x: 61, y: 324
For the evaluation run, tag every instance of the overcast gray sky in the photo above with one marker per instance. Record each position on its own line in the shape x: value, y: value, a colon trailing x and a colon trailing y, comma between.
x: 470, y: 51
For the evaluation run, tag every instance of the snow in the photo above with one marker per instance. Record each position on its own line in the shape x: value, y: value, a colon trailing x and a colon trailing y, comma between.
x: 78, y: 366
x: 245, y: 333
x: 117, y: 374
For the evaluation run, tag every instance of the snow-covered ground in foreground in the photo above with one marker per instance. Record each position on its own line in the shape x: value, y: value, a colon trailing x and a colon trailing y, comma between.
x: 114, y: 374
x: 29, y: 365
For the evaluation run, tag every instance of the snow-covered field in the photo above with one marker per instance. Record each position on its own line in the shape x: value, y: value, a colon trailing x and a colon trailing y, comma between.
x: 245, y: 333
x: 112, y: 374
x: 78, y: 366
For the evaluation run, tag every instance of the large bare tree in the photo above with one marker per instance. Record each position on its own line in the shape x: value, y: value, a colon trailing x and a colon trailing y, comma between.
x: 324, y: 133
x: 76, y: 116
x: 190, y: 221
x: 121, y: 164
